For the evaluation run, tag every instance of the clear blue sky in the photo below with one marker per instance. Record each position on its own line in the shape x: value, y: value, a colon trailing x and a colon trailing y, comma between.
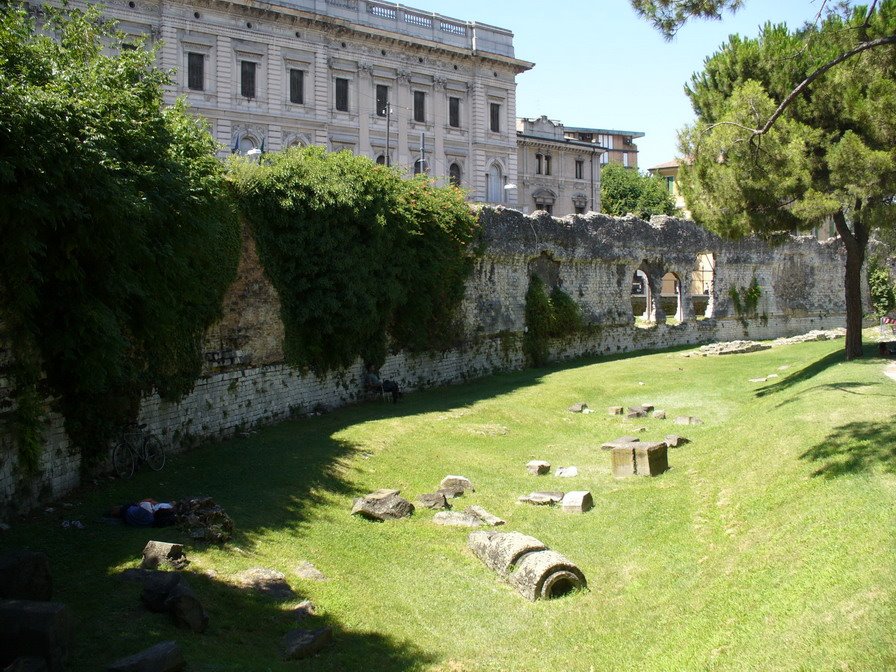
x: 597, y: 64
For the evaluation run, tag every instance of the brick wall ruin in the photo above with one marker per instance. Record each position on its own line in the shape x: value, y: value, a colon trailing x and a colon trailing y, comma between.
x: 593, y: 258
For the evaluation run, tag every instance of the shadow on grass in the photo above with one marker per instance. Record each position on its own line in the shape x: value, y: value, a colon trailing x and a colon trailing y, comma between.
x: 244, y: 625
x: 854, y: 448
x: 806, y: 373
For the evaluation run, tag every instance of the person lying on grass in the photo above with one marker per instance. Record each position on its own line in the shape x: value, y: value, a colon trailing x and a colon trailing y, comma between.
x: 145, y: 513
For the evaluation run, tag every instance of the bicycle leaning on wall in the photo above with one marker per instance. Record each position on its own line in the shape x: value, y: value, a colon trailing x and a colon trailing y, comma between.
x: 135, y: 446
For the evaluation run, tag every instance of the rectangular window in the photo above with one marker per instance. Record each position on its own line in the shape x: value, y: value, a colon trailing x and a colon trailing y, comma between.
x: 195, y: 71
x: 382, y: 99
x: 538, y: 164
x: 547, y: 164
x: 625, y: 159
x: 419, y: 106
x: 247, y: 79
x: 297, y: 86
x: 495, y: 118
x: 454, y: 112
x: 580, y: 168
x: 342, y: 94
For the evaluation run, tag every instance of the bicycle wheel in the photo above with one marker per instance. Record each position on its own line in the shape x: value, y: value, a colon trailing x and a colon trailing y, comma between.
x: 123, y: 460
x: 153, y: 453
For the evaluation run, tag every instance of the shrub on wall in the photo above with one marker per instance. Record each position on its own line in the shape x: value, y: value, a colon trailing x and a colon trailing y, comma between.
x: 119, y: 238
x: 356, y: 252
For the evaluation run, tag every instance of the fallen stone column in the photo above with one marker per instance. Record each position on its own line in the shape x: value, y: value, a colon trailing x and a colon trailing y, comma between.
x: 163, y: 657
x: 39, y: 629
x: 528, y: 565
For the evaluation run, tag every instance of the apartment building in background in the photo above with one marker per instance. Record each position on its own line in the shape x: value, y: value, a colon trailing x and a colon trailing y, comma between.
x: 405, y: 87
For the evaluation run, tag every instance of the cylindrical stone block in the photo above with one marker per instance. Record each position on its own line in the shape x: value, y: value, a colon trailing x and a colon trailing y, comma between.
x: 543, y: 575
x: 501, y: 550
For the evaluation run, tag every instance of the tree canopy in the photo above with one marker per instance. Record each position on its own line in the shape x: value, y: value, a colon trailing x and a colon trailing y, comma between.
x: 829, y: 155
x: 670, y: 15
x: 119, y: 238
x: 625, y: 190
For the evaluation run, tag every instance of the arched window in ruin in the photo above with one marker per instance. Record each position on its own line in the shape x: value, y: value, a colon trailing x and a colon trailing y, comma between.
x: 381, y: 160
x: 670, y: 297
x: 641, y: 296
x: 701, y: 285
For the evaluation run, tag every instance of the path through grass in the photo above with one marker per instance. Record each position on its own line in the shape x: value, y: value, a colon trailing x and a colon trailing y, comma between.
x: 769, y: 545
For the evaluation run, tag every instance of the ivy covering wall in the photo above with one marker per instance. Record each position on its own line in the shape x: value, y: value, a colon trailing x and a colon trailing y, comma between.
x: 360, y: 256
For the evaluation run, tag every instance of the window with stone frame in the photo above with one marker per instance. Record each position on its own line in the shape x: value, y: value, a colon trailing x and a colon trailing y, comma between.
x: 195, y: 71
x: 580, y: 168
x: 382, y: 100
x: 454, y: 174
x: 547, y: 164
x: 454, y: 112
x: 247, y: 78
x: 297, y: 86
x: 539, y: 164
x: 494, y: 123
x: 420, y: 106
x: 341, y: 86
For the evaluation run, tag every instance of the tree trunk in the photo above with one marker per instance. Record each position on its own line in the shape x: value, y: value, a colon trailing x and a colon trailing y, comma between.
x: 856, y: 242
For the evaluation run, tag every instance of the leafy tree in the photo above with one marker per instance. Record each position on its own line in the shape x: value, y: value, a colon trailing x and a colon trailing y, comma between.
x: 825, y: 150
x: 625, y: 190
x: 357, y: 253
x: 118, y: 234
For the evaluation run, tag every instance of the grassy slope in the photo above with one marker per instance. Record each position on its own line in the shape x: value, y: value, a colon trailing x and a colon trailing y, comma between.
x: 768, y: 545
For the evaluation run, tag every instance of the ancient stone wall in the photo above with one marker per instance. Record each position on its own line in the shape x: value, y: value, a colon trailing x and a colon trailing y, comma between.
x: 593, y: 258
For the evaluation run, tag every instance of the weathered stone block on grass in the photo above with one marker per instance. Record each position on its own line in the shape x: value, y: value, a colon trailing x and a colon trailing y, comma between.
x: 501, y: 550
x: 157, y: 553
x: 635, y: 413
x: 577, y: 501
x: 616, y: 410
x: 39, y: 629
x: 25, y: 575
x: 167, y: 592
x: 434, y: 500
x: 675, y: 441
x: 659, y: 415
x: 457, y: 482
x: 578, y: 407
x: 266, y: 581
x: 538, y: 467
x: 301, y: 643
x: 382, y: 505
x: 567, y: 472
x: 639, y: 458
x: 485, y: 516
x: 687, y: 420
x: 450, y: 493
x: 541, y: 498
x: 457, y: 519
x: 163, y: 657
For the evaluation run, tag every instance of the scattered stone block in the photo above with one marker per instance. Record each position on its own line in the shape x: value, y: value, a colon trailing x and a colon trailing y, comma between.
x: 485, y: 516
x: 163, y: 657
x: 647, y: 408
x: 615, y: 410
x: 651, y: 459
x: 268, y: 582
x: 25, y: 575
x: 577, y: 501
x: 622, y: 440
x: 203, y: 520
x: 301, y: 643
x: 527, y: 564
x: 157, y: 553
x: 168, y: 592
x: 305, y: 609
x: 450, y: 493
x: 382, y: 505
x: 305, y: 570
x: 567, y: 472
x: 578, y: 407
x: 542, y: 498
x: 435, y: 500
x: 635, y: 413
x: 640, y: 458
x: 659, y: 415
x: 457, y: 519
x: 623, y: 459
x: 42, y: 630
x: 538, y: 467
x: 687, y: 420
x: 455, y: 482
x: 758, y: 380
x: 675, y: 441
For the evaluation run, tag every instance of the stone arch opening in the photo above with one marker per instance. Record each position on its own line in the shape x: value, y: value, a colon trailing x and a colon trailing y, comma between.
x: 640, y: 295
x: 702, y: 278
x: 454, y: 174
x: 494, y: 183
x: 670, y: 296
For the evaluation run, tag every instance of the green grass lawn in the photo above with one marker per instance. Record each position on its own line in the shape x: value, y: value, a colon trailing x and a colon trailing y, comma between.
x: 769, y: 545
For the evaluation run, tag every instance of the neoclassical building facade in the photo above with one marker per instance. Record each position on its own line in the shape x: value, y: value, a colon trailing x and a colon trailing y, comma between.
x: 402, y: 86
